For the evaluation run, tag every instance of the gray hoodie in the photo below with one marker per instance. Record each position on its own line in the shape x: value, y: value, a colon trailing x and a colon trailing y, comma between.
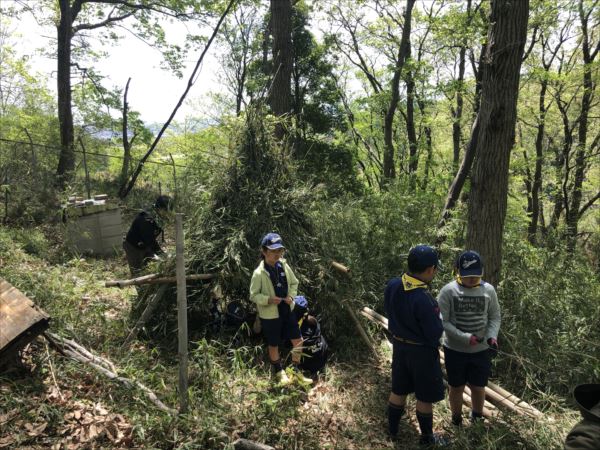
x: 467, y: 311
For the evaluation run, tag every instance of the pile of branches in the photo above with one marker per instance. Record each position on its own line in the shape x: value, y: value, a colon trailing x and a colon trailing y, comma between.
x: 259, y: 193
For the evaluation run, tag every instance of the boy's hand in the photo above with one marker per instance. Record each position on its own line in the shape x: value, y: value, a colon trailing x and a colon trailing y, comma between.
x: 274, y: 300
x: 474, y: 340
x: 289, y: 300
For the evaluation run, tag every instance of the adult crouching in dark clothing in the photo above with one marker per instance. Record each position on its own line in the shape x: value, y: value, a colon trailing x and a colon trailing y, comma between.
x: 141, y: 244
x: 586, y: 434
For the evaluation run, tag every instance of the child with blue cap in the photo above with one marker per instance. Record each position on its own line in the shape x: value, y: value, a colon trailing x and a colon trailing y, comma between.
x: 416, y: 326
x: 273, y: 288
x: 471, y: 317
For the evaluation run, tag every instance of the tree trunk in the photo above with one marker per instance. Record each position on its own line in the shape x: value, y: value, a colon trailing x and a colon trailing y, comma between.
x: 457, y: 111
x: 389, y: 170
x: 126, y: 143
x: 586, y: 99
x: 66, y: 162
x: 411, y: 133
x: 536, y: 184
x: 465, y: 168
x: 280, y: 98
x: 497, y: 115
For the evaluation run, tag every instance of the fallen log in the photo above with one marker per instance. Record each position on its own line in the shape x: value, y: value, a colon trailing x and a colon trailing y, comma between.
x: 100, y: 364
x: 493, y: 392
x: 155, y: 278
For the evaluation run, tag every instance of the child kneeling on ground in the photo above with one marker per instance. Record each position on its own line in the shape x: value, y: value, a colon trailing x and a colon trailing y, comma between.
x: 273, y: 288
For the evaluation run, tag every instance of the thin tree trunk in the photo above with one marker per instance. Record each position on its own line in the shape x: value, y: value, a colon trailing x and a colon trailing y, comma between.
x: 280, y: 98
x: 465, y: 168
x: 134, y: 176
x: 126, y: 144
x: 66, y: 162
x: 389, y: 169
x: 586, y: 99
x: 413, y: 158
x: 488, y: 198
x: 539, y: 159
x: 457, y: 112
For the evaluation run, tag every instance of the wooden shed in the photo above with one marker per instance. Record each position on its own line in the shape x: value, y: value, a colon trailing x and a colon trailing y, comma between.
x: 20, y: 321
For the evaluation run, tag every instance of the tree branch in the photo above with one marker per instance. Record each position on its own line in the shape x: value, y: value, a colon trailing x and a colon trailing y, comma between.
x: 588, y: 204
x: 123, y: 193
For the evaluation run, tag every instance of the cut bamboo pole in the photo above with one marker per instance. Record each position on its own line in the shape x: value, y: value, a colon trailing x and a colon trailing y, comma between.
x: 521, y: 404
x: 340, y: 267
x: 182, y: 325
x: 359, y: 327
x: 155, y: 278
x: 150, y: 307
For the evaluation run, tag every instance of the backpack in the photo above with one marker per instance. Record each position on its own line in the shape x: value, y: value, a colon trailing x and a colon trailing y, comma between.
x: 315, y: 349
x: 300, y: 307
x: 235, y: 314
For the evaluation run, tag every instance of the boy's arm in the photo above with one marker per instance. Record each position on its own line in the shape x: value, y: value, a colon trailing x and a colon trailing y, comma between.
x: 428, y: 317
x: 255, y: 290
x: 493, y: 325
x: 445, y: 302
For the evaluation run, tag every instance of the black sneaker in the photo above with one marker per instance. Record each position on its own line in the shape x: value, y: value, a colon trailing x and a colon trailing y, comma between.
x: 433, y: 440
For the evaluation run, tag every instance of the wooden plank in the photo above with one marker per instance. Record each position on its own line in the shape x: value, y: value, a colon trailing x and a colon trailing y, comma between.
x: 20, y: 320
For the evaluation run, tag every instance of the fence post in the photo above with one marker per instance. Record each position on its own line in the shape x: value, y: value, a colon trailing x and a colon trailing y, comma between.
x: 181, y: 316
x: 85, y: 168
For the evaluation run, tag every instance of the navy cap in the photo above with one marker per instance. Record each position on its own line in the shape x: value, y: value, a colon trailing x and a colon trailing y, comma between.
x: 272, y: 241
x: 421, y: 257
x: 469, y: 264
x: 164, y: 202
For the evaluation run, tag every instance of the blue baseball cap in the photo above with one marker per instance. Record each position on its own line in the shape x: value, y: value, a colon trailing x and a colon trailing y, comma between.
x: 469, y: 264
x: 272, y: 241
x: 421, y: 257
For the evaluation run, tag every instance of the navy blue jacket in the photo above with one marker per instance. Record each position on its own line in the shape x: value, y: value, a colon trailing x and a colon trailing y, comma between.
x: 412, y: 311
x: 144, y: 232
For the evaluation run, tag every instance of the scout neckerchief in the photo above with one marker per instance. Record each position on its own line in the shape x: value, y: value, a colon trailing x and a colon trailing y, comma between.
x: 411, y: 283
x: 460, y: 281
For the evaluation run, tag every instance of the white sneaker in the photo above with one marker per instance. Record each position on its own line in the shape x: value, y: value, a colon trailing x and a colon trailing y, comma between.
x: 299, y: 376
x: 282, y: 378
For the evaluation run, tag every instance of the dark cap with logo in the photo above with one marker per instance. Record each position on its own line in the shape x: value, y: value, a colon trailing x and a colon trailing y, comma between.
x: 469, y: 264
x: 272, y: 241
x: 421, y: 257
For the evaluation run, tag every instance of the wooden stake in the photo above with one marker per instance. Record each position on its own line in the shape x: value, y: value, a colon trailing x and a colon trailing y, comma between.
x: 182, y: 325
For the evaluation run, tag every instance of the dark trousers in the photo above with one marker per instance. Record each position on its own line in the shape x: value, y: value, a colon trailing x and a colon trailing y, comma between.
x: 137, y: 258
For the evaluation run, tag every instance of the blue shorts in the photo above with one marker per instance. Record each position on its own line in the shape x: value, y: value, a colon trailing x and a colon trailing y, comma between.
x: 416, y: 368
x: 471, y: 368
x: 280, y: 329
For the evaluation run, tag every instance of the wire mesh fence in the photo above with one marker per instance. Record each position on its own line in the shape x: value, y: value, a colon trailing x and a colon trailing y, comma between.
x: 28, y: 178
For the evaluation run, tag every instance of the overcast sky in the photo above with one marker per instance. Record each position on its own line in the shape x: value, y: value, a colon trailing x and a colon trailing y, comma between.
x: 153, y: 91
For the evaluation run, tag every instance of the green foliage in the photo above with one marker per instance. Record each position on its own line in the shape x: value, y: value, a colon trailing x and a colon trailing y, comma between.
x: 329, y: 165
